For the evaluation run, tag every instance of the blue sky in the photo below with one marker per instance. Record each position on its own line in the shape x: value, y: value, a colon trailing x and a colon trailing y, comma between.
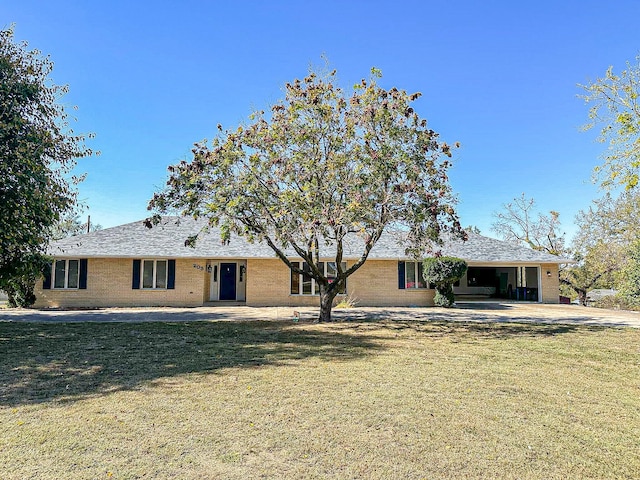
x: 500, y: 77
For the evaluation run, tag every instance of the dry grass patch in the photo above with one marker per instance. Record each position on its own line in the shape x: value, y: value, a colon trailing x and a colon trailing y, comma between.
x: 375, y: 400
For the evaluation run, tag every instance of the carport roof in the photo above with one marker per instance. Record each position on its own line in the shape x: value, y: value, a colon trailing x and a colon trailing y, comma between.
x: 167, y: 240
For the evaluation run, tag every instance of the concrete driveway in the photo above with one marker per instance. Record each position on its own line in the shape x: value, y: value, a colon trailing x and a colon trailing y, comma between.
x: 463, y: 312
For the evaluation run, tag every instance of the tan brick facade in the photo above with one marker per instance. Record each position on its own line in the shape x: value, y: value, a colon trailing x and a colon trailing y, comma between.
x: 267, y: 284
x: 374, y: 284
x: 550, y: 283
x: 109, y: 284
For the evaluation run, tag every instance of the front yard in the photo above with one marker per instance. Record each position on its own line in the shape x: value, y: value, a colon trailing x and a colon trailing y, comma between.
x: 367, y: 399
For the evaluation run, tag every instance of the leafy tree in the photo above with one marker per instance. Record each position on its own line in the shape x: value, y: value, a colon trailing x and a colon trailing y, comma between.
x: 71, y: 225
x: 38, y: 150
x: 615, y: 107
x: 613, y: 219
x: 320, y: 170
x: 607, y: 230
x: 21, y: 277
x: 520, y: 224
x: 630, y: 281
x: 444, y: 272
x: 594, y: 267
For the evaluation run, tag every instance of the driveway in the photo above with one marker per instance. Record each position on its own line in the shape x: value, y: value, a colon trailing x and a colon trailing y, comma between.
x: 463, y: 312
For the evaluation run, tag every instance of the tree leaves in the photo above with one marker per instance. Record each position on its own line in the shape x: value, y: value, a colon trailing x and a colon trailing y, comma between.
x: 615, y: 107
x: 323, y: 165
x: 38, y: 150
x: 521, y: 224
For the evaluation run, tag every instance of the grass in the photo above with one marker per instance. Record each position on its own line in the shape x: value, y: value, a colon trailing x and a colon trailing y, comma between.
x: 374, y: 400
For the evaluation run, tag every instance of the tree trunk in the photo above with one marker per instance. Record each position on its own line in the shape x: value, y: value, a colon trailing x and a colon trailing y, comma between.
x: 582, y: 297
x: 11, y: 297
x: 326, y: 303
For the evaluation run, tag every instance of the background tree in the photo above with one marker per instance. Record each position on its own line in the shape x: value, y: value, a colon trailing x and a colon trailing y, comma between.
x: 71, y: 225
x: 630, y: 275
x: 321, y: 169
x: 601, y: 248
x: 615, y: 108
x: 614, y: 219
x: 521, y: 224
x: 38, y: 150
x: 595, y: 267
x: 444, y: 272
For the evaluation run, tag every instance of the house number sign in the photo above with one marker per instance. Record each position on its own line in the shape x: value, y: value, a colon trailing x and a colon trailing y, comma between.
x: 201, y: 268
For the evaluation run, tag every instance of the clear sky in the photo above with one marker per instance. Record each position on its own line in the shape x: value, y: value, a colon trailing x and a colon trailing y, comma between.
x: 151, y: 78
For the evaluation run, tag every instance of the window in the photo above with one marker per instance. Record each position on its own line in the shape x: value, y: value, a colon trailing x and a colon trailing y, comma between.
x: 482, y: 277
x: 154, y: 274
x: 413, y: 277
x: 66, y: 273
x: 303, y: 284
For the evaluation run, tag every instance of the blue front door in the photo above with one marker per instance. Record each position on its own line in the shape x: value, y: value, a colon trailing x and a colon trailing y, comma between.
x: 228, y: 281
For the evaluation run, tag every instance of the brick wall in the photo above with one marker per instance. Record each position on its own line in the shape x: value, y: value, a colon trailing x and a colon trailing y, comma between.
x: 268, y: 284
x: 374, y: 284
x: 550, y: 284
x: 109, y: 284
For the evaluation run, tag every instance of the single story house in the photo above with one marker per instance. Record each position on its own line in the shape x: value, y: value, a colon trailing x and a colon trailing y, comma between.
x: 132, y: 265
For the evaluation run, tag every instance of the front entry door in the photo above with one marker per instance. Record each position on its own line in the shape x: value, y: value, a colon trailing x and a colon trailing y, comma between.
x: 228, y: 281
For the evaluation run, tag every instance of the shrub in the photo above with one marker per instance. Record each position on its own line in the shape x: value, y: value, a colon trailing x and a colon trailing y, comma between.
x: 617, y: 302
x: 20, y: 293
x: 349, y: 301
x: 444, y: 272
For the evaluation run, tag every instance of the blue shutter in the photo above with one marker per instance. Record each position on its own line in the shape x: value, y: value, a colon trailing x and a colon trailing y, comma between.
x: 82, y: 284
x: 135, y: 283
x: 46, y: 283
x: 401, y: 284
x: 171, y: 274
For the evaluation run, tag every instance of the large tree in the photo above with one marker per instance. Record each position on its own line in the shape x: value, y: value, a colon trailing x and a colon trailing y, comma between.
x: 615, y: 109
x: 595, y: 267
x: 607, y: 232
x: 38, y: 150
x: 322, y: 167
x: 520, y: 222
x: 71, y: 225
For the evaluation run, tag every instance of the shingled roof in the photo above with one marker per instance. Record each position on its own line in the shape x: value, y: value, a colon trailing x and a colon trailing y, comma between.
x: 167, y: 240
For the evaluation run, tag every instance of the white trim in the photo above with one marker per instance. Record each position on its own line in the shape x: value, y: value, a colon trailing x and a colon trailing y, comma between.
x: 66, y: 274
x: 213, y: 268
x: 313, y: 282
x: 416, y: 279
x: 154, y: 273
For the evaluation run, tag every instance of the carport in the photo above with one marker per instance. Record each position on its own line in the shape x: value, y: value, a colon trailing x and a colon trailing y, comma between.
x: 519, y: 283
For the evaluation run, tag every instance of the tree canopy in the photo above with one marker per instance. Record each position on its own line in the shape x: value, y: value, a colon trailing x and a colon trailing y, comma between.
x: 38, y: 151
x: 615, y: 109
x: 608, y: 229
x: 520, y: 223
x: 321, y: 167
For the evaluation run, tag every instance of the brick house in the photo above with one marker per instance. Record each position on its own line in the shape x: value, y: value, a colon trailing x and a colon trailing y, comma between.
x: 131, y: 265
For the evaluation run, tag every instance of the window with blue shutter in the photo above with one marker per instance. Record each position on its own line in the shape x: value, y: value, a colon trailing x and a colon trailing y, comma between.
x: 135, y: 282
x: 82, y: 284
x: 401, y: 284
x: 171, y: 278
x: 46, y: 282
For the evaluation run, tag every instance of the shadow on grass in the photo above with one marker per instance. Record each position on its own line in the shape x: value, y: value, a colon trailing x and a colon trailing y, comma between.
x: 471, y: 314
x: 462, y: 331
x: 69, y: 361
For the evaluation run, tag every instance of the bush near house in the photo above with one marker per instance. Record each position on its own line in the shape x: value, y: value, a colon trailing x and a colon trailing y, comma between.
x: 443, y: 272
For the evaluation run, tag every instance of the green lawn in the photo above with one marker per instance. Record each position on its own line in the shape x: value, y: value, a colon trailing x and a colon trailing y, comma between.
x: 374, y: 400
